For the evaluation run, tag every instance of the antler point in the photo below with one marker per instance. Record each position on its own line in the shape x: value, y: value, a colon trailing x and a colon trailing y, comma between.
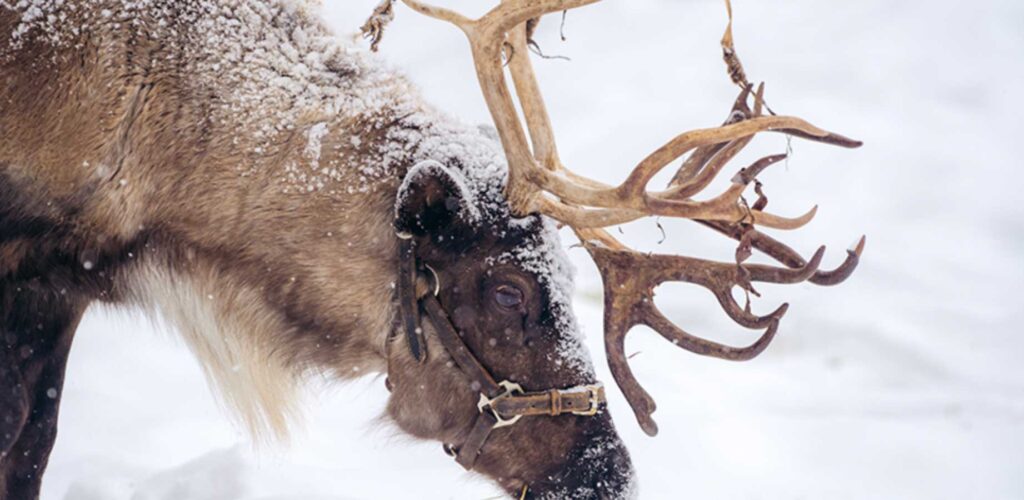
x: 810, y: 214
x: 858, y: 246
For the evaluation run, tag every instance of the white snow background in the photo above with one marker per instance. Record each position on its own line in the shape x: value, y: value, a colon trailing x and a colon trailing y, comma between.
x: 904, y: 382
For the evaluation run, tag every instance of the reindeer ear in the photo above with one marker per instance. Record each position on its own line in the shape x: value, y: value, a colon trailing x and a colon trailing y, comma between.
x: 434, y: 200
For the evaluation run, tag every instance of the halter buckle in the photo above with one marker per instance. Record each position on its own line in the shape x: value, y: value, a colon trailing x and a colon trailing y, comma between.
x: 594, y: 400
x: 486, y: 403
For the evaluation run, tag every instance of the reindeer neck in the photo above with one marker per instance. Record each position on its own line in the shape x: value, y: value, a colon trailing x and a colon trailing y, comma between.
x: 237, y: 179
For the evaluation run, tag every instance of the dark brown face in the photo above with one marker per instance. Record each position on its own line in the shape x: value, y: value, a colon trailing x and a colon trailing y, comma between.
x: 505, y: 286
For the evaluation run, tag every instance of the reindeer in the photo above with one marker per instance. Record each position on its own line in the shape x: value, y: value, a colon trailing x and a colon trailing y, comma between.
x: 296, y: 210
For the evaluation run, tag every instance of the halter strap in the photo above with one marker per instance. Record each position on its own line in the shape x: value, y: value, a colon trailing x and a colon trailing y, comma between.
x: 407, y: 296
x: 501, y: 403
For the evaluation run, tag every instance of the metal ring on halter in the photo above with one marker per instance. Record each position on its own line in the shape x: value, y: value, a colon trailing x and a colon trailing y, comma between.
x: 450, y: 450
x: 437, y: 280
x: 402, y: 235
x: 487, y: 403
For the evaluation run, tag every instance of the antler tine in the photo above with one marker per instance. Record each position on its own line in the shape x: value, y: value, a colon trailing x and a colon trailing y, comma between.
x: 629, y: 281
x: 771, y: 274
x: 721, y: 208
x: 839, y: 274
x: 789, y: 257
x: 618, y: 325
x: 744, y: 318
x: 698, y: 159
x: 723, y: 153
x: 632, y: 194
x: 726, y: 206
x: 647, y: 271
x: 657, y: 321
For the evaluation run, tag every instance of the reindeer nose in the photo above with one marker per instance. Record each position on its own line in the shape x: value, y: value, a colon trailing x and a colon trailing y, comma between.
x: 600, y: 469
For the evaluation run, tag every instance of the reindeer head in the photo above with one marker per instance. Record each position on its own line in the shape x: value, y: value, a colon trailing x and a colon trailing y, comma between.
x: 488, y: 358
x: 500, y: 314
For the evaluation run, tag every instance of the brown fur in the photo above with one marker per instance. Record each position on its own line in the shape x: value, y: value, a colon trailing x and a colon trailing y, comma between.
x: 106, y: 144
x: 125, y: 179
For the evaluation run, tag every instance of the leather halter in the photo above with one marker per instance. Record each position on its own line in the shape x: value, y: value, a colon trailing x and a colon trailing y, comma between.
x: 501, y: 403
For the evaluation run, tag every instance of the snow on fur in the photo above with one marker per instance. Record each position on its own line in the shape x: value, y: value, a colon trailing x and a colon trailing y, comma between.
x: 431, y: 168
x: 277, y: 69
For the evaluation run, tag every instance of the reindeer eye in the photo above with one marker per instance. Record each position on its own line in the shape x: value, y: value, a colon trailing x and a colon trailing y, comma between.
x: 508, y: 296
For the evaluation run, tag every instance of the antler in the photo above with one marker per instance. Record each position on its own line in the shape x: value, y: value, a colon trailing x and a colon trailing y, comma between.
x: 539, y: 182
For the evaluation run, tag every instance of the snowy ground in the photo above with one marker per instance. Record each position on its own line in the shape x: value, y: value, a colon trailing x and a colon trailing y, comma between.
x: 902, y: 383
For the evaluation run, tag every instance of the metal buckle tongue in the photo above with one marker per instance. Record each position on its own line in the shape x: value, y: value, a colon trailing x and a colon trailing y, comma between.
x: 594, y: 400
x: 487, y: 403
